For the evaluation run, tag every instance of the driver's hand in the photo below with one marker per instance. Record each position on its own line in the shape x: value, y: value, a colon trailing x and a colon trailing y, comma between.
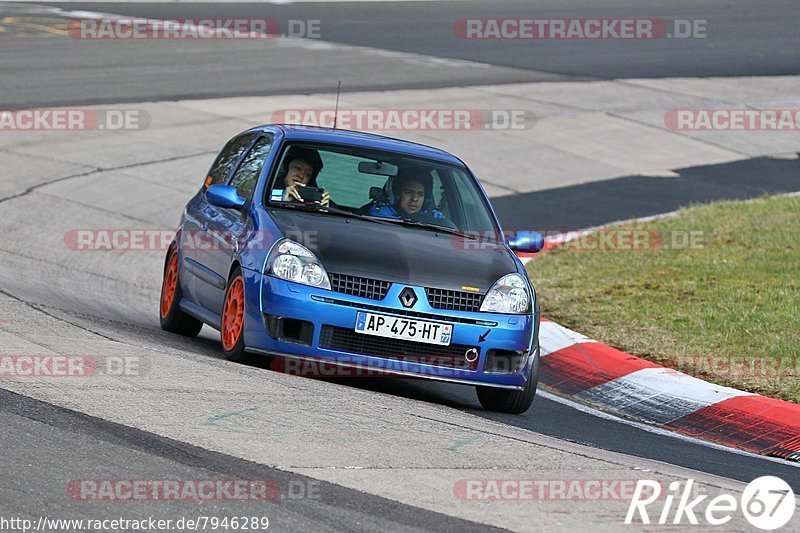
x: 326, y: 198
x: 291, y: 193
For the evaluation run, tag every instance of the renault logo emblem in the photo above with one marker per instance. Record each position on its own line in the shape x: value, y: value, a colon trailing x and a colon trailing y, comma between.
x: 408, y: 297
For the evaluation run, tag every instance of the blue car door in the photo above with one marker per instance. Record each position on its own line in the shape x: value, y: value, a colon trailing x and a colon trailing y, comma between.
x: 195, y: 240
x: 227, y: 228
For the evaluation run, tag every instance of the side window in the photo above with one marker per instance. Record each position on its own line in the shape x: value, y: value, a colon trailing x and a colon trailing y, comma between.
x: 467, y: 207
x: 248, y: 172
x: 227, y: 158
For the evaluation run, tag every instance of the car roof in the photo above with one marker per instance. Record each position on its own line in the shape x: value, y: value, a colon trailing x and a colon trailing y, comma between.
x: 354, y: 138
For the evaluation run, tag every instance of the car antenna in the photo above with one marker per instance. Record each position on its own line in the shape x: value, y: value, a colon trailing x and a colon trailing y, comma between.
x: 336, y: 109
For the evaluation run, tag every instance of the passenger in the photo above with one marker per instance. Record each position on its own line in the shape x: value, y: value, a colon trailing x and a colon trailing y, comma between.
x: 302, y: 166
x: 409, y: 194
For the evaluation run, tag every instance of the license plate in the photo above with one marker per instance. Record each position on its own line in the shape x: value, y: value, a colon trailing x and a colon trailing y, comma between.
x: 408, y: 329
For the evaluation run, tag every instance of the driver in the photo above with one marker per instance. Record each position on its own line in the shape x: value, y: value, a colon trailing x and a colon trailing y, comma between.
x: 409, y: 195
x: 301, y: 170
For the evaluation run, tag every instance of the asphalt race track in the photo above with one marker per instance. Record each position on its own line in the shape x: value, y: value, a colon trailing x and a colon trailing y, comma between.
x: 743, y: 38
x: 357, y: 454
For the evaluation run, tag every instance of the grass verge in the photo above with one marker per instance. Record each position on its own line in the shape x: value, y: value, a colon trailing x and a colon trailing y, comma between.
x: 713, y: 292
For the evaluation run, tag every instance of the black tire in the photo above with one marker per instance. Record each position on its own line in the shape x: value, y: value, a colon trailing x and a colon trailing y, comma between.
x: 238, y: 353
x: 175, y: 320
x: 513, y: 402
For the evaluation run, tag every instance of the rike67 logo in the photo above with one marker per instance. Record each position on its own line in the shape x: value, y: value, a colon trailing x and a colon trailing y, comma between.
x: 767, y: 503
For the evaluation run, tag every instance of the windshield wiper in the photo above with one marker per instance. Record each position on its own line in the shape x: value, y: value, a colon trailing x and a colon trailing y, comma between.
x: 313, y: 208
x: 435, y: 227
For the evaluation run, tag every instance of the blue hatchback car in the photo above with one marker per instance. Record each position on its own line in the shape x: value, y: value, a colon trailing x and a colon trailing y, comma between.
x: 358, y: 251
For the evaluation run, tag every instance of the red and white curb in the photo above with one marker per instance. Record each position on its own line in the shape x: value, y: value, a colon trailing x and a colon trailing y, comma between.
x: 601, y: 376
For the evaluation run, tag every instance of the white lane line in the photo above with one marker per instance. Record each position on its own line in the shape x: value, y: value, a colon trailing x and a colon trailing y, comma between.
x: 656, y: 430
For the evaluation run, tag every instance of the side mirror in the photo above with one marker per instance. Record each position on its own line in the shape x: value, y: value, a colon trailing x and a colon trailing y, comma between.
x: 529, y: 242
x: 224, y: 196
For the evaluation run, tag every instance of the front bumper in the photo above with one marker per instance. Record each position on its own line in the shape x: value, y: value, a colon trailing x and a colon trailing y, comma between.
x: 333, y: 316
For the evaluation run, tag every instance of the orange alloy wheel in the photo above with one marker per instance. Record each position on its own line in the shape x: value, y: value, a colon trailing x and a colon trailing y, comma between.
x: 233, y: 315
x: 170, y: 284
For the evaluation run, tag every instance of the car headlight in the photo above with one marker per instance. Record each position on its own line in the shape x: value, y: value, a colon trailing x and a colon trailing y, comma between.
x: 294, y: 262
x: 508, y: 295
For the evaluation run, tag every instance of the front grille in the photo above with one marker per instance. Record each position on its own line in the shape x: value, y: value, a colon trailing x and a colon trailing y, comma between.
x: 405, y: 312
x: 374, y: 289
x: 453, y: 300
x: 347, y: 340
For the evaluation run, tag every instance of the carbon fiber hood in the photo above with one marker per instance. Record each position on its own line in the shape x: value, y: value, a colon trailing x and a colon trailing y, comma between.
x: 392, y: 252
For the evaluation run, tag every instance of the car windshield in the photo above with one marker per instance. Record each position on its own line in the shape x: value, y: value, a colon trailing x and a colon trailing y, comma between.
x: 398, y: 187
